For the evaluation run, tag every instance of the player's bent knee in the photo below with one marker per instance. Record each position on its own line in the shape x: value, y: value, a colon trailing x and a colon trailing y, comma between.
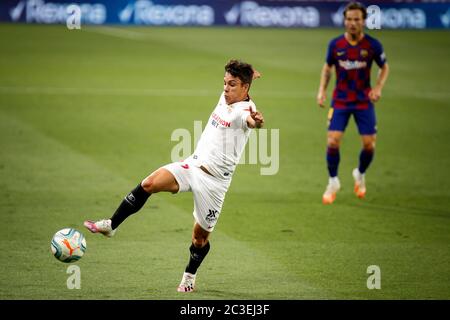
x: 198, y: 241
x: 333, y: 143
x: 369, y: 145
x: 148, y: 184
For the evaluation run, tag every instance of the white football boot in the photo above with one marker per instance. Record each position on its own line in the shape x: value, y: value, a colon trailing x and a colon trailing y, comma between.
x: 187, y: 283
x: 101, y: 226
x: 330, y: 192
x: 360, y: 183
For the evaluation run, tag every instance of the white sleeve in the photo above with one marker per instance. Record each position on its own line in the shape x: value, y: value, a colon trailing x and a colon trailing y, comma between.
x: 245, y: 112
x: 222, y: 98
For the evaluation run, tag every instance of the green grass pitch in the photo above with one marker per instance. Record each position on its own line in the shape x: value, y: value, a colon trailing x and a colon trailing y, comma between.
x: 86, y: 114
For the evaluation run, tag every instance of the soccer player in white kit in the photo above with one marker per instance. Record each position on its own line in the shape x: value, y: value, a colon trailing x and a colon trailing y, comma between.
x: 207, y: 173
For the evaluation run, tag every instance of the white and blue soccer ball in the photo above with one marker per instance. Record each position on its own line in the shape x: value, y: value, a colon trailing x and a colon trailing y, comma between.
x: 68, y: 245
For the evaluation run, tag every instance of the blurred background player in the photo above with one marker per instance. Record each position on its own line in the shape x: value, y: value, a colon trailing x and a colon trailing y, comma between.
x: 352, y: 55
x: 206, y: 173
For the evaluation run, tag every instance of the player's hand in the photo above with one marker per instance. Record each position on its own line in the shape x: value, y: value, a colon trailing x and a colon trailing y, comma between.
x: 321, y: 98
x: 256, y: 74
x: 257, y: 117
x: 375, y: 94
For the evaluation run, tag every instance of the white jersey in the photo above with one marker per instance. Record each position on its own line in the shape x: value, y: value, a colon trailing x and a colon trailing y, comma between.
x: 224, y: 138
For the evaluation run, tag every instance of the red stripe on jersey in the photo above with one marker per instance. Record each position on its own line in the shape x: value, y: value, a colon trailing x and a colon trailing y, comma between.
x: 339, y: 104
x: 352, y: 74
x: 353, y: 53
x: 351, y: 95
x: 341, y: 43
x: 342, y: 86
x: 362, y: 105
x: 360, y: 84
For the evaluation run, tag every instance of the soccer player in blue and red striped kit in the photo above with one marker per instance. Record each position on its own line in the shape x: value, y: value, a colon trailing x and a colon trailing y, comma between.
x: 352, y: 55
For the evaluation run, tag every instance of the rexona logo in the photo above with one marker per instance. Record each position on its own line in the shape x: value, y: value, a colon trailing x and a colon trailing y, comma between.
x: 403, y: 18
x: 338, y: 16
x: 392, y: 18
x: 145, y: 12
x: 41, y: 12
x: 250, y: 13
x: 445, y: 19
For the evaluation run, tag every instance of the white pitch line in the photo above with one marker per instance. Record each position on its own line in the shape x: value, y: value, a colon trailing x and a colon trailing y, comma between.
x: 119, y: 33
x: 105, y: 91
x: 138, y: 92
x: 37, y: 90
x: 125, y: 33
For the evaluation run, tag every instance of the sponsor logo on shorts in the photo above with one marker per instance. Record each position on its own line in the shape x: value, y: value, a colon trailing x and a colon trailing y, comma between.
x: 212, y: 216
x: 185, y: 166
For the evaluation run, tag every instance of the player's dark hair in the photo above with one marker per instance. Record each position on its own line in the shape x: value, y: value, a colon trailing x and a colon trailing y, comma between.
x: 356, y: 6
x: 241, y: 70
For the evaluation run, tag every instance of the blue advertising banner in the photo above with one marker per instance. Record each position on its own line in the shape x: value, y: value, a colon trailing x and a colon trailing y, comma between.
x: 252, y: 13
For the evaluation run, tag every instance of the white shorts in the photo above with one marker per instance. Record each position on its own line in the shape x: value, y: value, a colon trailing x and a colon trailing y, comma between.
x: 209, y: 191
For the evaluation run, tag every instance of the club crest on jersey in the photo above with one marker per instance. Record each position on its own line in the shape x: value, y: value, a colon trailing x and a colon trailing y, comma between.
x: 364, y: 53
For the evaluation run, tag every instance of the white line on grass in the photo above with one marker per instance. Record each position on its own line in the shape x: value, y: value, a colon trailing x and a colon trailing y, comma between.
x: 140, y: 92
x: 119, y: 33
x: 126, y: 33
x: 440, y: 96
x: 104, y: 91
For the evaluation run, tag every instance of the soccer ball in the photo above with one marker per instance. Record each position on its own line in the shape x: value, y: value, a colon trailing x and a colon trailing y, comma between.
x: 68, y: 245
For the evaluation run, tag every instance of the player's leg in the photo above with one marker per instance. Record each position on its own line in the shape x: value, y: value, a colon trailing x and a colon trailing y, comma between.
x: 334, y: 139
x: 365, y: 158
x: 367, y: 152
x: 160, y: 180
x: 366, y: 122
x: 338, y: 120
x: 209, y: 194
x: 198, y: 251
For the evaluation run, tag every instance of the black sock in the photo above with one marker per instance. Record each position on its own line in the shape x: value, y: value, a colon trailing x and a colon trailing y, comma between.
x: 132, y: 203
x: 196, y: 258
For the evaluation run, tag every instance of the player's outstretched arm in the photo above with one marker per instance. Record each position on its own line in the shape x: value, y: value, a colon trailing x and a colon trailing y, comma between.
x: 256, y: 74
x: 375, y: 93
x: 324, y: 80
x: 255, y: 119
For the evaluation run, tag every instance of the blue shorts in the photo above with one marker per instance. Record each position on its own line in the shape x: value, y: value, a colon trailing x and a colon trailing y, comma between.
x: 365, y: 120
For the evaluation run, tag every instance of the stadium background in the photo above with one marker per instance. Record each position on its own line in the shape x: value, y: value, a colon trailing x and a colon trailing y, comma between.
x: 85, y: 114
